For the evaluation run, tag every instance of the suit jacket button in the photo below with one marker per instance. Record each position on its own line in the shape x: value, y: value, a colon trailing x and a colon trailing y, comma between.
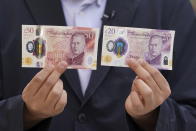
x: 82, y: 118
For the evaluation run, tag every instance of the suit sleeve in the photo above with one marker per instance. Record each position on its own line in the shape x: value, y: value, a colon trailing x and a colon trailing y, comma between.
x: 11, y: 114
x: 178, y: 113
x: 11, y: 110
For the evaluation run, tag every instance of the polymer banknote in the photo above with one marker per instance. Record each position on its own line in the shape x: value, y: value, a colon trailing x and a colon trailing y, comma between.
x: 44, y: 45
x: 153, y: 45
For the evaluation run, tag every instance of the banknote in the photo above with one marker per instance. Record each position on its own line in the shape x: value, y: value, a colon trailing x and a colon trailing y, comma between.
x: 44, y: 45
x: 152, y: 45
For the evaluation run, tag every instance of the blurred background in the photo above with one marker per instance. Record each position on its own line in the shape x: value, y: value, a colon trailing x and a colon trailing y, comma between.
x: 194, y: 4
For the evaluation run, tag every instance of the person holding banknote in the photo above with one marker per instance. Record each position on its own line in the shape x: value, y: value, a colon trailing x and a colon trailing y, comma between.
x: 109, y: 99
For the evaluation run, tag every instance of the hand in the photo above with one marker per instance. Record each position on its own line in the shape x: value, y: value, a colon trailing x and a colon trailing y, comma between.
x: 149, y: 90
x: 44, y: 96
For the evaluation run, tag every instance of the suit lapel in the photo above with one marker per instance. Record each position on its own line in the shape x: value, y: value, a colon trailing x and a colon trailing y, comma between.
x: 73, y: 79
x: 125, y: 11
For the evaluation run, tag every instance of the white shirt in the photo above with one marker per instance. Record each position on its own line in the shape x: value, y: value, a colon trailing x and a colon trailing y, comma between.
x: 84, y: 13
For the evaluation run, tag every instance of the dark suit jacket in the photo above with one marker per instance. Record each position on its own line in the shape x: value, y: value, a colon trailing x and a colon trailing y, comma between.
x: 102, y: 108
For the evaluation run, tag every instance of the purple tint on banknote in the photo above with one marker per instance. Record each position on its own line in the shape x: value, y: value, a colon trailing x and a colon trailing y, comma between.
x: 166, y: 37
x: 159, y: 44
x: 153, y: 56
x: 154, y: 46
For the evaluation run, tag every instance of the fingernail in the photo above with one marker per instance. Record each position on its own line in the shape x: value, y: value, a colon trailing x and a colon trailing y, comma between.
x: 140, y: 61
x: 63, y: 64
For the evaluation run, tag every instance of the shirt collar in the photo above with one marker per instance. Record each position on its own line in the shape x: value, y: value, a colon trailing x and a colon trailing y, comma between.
x: 98, y: 2
x: 87, y: 2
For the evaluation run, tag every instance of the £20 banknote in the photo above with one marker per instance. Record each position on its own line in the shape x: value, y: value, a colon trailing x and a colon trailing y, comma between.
x: 152, y: 45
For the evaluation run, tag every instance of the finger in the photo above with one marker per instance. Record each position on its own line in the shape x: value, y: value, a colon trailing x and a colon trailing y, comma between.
x: 52, y: 79
x: 136, y: 101
x: 157, y: 76
x: 129, y: 105
x: 142, y: 73
x: 133, y: 88
x: 34, y: 85
x: 145, y: 91
x: 55, y: 94
x: 60, y: 105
